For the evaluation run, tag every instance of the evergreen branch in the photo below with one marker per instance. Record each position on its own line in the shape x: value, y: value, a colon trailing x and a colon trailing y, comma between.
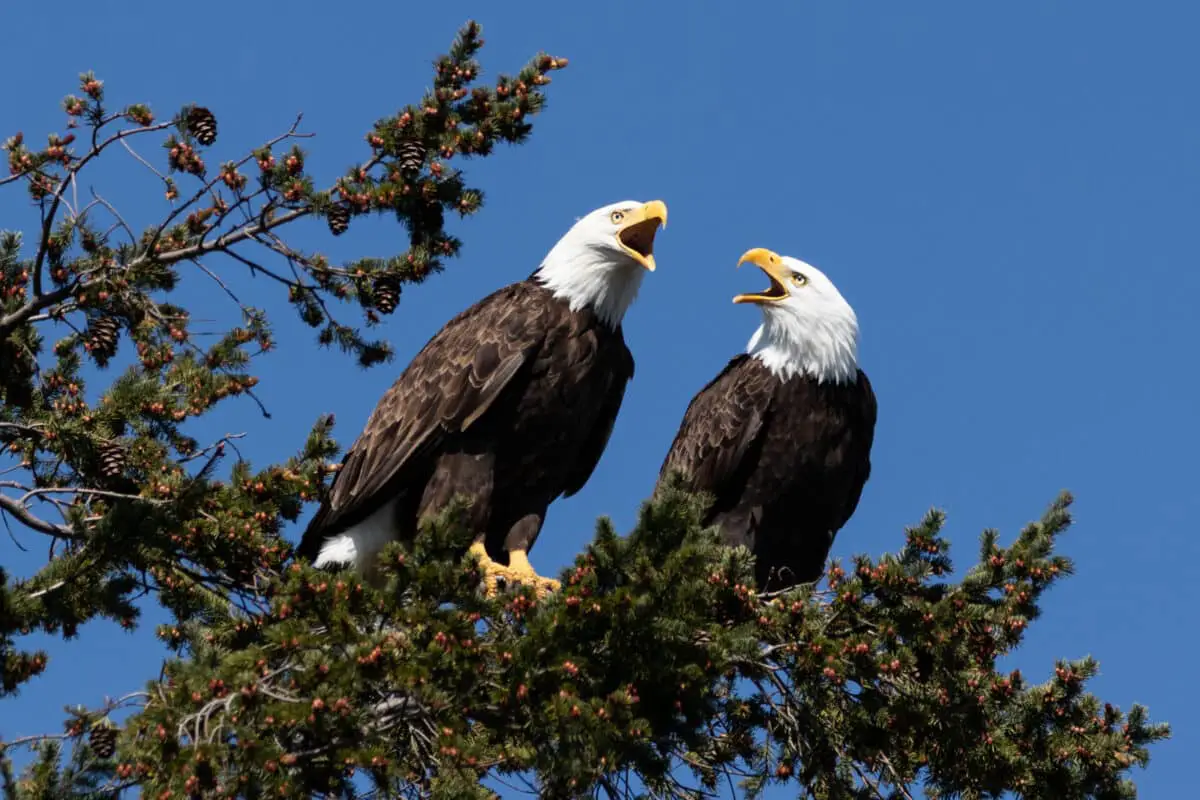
x: 221, y: 244
x: 56, y: 198
x: 208, y: 185
x: 39, y: 302
x: 226, y: 241
x: 42, y: 301
x: 135, y: 698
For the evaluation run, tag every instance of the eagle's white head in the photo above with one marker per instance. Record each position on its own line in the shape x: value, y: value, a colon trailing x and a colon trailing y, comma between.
x: 600, y: 262
x: 808, y: 327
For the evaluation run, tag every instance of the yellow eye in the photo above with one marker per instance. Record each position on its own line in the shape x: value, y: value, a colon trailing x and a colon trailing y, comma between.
x: 616, y: 217
x: 799, y: 279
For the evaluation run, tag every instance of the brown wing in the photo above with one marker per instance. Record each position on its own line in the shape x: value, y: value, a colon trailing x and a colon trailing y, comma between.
x: 721, y: 426
x: 446, y: 388
x: 589, y: 456
x: 866, y: 410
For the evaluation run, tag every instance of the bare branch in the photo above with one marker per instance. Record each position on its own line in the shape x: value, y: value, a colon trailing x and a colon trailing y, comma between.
x: 85, y: 491
x: 16, y: 177
x: 147, y: 164
x: 29, y: 520
x: 51, y: 588
x: 112, y: 210
x: 896, y: 780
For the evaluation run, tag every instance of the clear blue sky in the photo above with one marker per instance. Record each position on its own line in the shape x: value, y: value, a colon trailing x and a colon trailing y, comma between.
x: 1009, y: 195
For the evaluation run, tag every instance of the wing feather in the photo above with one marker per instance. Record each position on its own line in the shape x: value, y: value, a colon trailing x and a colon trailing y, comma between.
x: 720, y: 427
x: 450, y: 384
x: 867, y: 413
x: 597, y: 442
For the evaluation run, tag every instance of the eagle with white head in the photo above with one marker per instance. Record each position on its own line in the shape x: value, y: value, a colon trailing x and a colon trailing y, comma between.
x: 511, y: 405
x: 782, y: 436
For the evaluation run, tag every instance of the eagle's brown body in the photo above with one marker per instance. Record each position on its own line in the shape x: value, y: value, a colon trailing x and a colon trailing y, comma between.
x: 786, y: 460
x: 511, y: 404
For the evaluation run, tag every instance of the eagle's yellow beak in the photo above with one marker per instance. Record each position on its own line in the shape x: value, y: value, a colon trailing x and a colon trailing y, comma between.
x: 637, y: 231
x: 770, y: 263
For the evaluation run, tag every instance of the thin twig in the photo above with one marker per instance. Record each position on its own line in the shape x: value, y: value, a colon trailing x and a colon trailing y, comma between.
x: 148, y: 165
x: 112, y: 210
x: 97, y: 149
x: 896, y: 780
x: 86, y: 491
x: 224, y: 286
x: 13, y: 536
x: 866, y: 778
x: 201, y: 453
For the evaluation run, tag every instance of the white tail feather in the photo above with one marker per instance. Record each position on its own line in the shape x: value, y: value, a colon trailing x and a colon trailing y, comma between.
x: 359, y: 544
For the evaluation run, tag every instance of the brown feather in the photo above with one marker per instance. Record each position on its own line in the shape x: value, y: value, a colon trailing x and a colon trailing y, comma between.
x: 510, y: 403
x: 785, y: 460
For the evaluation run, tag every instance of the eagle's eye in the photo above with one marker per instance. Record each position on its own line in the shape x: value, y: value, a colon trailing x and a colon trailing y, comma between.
x: 799, y: 279
x: 616, y: 216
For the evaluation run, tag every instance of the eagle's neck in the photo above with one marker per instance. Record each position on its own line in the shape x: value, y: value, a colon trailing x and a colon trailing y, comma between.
x: 825, y: 350
x: 590, y: 278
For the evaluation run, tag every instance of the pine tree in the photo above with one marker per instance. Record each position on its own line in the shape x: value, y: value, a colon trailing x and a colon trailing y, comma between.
x: 658, y: 667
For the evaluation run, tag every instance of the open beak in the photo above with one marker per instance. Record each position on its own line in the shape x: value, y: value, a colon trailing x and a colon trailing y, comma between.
x: 771, y: 264
x: 636, y: 235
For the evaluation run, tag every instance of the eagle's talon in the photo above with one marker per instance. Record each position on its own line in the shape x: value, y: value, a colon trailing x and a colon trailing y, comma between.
x: 547, y: 586
x: 494, y: 574
x: 522, y: 570
x: 497, y: 577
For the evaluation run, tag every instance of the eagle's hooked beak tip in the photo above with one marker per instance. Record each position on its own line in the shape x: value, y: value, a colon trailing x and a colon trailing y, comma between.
x: 771, y: 264
x: 657, y: 209
x: 636, y: 236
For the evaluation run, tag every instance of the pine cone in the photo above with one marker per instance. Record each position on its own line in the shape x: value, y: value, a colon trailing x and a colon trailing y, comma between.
x: 103, y: 335
x: 412, y: 156
x: 102, y: 739
x: 203, y: 125
x: 338, y: 219
x: 387, y: 294
x: 112, y: 460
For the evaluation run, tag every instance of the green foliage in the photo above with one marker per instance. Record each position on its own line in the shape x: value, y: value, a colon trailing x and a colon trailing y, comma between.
x: 658, y: 667
x: 83, y: 777
x: 131, y: 500
x: 657, y: 664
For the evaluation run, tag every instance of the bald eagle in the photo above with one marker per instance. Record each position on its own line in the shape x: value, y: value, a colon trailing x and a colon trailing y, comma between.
x: 782, y: 436
x: 510, y: 404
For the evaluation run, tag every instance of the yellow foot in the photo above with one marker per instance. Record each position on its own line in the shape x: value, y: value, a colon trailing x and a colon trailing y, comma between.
x: 519, y: 570
x: 518, y: 564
